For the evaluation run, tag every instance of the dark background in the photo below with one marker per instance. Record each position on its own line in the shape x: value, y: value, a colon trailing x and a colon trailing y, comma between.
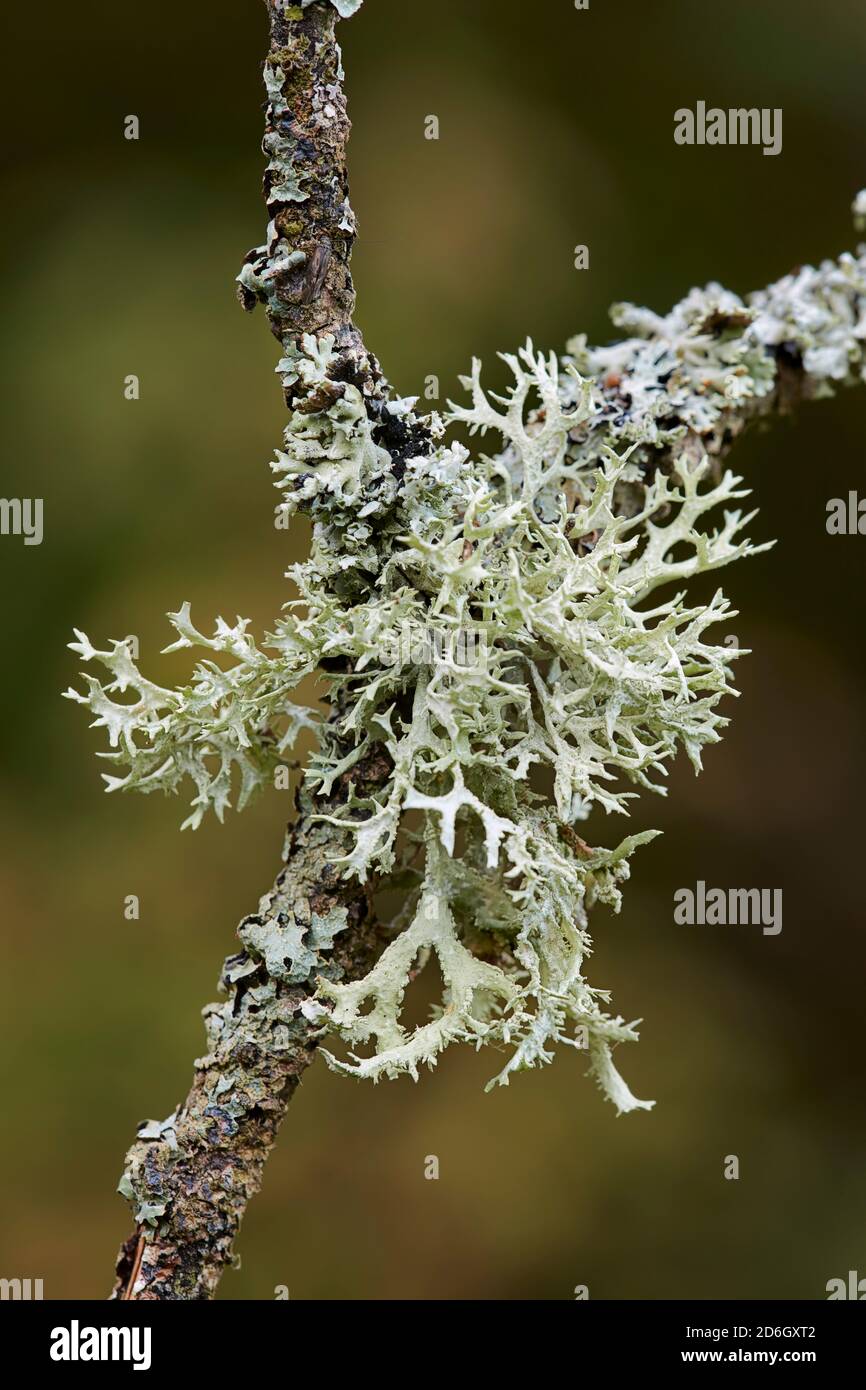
x: 556, y: 129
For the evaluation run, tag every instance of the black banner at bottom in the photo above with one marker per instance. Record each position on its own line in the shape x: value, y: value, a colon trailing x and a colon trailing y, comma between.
x: 158, y: 1339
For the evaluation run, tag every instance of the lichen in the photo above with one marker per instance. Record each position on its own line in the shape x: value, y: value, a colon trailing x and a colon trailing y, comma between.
x: 567, y: 554
x: 226, y: 724
x: 582, y: 670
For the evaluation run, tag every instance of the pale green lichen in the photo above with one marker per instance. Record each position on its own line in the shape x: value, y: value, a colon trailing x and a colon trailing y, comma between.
x: 581, y: 671
x: 225, y: 722
x: 291, y: 949
x: 585, y: 680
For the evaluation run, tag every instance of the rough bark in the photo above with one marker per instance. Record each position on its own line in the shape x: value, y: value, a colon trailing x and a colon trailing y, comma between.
x: 302, y: 274
x: 190, y: 1178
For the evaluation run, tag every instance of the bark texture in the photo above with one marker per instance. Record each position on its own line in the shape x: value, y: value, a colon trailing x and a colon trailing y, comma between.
x: 302, y: 274
x: 190, y: 1178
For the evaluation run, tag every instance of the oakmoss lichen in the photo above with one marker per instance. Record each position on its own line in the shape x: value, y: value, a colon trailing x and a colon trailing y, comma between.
x: 559, y: 562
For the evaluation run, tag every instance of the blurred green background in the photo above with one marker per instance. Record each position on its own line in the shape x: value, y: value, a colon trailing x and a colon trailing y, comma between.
x: 556, y: 129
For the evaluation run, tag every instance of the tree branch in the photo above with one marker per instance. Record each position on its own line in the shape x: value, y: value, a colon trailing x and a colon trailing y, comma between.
x: 190, y: 1178
x: 689, y: 382
x: 302, y: 273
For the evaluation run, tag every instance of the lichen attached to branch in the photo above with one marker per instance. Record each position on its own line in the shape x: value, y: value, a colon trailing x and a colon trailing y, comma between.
x: 509, y: 634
